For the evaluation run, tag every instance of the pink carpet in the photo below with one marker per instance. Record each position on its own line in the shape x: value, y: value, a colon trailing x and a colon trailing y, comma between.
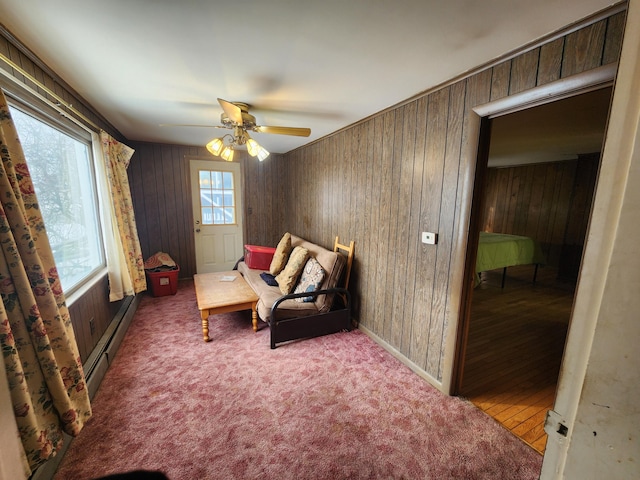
x: 333, y: 407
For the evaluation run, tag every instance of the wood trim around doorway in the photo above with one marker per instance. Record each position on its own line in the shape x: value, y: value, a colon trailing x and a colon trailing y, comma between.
x: 574, y: 85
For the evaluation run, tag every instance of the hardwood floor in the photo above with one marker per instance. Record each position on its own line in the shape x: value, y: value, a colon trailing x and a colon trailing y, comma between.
x: 516, y: 340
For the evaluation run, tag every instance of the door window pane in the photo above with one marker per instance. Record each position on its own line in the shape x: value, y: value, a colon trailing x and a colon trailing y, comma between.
x: 217, y: 192
x: 217, y: 198
x: 205, y: 179
x: 205, y: 198
x: 207, y: 215
x: 217, y: 179
x: 218, y: 216
x: 229, y: 215
x: 228, y: 180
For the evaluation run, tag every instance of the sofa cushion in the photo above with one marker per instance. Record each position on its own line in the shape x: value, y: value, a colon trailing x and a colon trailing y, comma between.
x: 310, y: 279
x: 332, y: 263
x: 281, y: 255
x: 268, y: 295
x: 288, y: 277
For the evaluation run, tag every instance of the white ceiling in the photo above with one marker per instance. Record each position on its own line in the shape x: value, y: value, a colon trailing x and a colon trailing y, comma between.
x: 555, y: 131
x: 323, y: 64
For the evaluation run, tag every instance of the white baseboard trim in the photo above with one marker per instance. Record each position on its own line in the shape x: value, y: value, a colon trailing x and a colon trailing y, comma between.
x: 400, y: 356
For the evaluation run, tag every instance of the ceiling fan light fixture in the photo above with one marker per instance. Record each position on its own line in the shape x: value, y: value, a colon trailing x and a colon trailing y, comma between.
x: 236, y: 117
x: 215, y: 146
x: 227, y: 153
x: 262, y: 154
x: 252, y: 147
x: 255, y: 149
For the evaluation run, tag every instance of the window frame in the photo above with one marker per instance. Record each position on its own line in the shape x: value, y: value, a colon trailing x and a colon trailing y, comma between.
x: 38, y: 109
x: 223, y: 190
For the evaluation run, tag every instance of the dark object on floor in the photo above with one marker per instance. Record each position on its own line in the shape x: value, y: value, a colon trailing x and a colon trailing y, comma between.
x: 136, y: 475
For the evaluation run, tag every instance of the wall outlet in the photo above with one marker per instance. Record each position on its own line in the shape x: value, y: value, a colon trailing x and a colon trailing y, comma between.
x: 429, y: 238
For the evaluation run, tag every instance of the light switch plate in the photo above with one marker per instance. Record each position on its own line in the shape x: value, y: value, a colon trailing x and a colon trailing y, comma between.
x: 429, y: 238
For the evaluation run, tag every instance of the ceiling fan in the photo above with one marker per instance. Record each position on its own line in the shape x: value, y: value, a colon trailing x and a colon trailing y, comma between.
x: 236, y: 117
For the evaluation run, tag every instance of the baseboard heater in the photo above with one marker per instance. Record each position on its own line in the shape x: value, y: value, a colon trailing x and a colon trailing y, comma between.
x: 102, y: 355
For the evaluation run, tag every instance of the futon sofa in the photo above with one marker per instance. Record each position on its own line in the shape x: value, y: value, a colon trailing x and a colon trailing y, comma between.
x: 309, y: 313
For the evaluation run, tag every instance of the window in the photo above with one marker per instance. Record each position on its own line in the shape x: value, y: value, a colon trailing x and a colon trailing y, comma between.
x: 61, y: 167
x: 217, y: 197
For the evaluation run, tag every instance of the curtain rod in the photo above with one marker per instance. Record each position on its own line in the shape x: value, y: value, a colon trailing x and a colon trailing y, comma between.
x: 59, y: 99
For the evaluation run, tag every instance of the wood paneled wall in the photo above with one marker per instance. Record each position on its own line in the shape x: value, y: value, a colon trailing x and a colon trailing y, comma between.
x: 264, y: 199
x: 161, y: 192
x: 550, y: 202
x: 94, y: 306
x: 385, y: 180
x: 159, y: 181
x: 579, y: 216
x: 94, y: 303
x: 380, y: 183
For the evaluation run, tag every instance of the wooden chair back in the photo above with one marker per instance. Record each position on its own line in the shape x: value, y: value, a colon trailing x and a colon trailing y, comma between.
x: 350, y: 251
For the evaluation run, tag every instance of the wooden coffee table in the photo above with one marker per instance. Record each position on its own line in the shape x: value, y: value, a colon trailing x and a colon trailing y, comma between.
x: 215, y: 295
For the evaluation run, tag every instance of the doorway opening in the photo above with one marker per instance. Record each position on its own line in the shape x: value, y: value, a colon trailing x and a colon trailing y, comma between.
x: 536, y: 181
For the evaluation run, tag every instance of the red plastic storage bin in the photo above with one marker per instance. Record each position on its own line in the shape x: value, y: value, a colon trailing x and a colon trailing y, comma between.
x: 163, y: 282
x: 258, y: 257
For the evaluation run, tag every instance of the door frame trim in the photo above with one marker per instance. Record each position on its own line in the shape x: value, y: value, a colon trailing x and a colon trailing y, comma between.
x: 594, y: 79
x: 239, y: 212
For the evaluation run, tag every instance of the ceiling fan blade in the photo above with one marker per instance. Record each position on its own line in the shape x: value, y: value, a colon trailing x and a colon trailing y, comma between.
x: 232, y: 111
x: 190, y: 125
x: 299, y: 132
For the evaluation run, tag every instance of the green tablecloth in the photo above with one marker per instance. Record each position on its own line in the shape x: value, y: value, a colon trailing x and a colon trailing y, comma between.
x: 499, y: 250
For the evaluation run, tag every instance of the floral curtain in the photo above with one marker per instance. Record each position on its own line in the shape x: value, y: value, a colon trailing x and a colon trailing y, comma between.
x: 126, y: 264
x: 43, y: 366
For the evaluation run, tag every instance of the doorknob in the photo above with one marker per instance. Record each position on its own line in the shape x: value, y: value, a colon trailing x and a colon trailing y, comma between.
x: 197, y: 230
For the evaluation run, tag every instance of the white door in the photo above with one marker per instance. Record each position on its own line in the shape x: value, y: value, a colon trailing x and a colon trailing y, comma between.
x: 217, y: 214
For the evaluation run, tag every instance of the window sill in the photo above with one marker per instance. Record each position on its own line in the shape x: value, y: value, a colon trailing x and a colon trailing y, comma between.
x: 86, y: 286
